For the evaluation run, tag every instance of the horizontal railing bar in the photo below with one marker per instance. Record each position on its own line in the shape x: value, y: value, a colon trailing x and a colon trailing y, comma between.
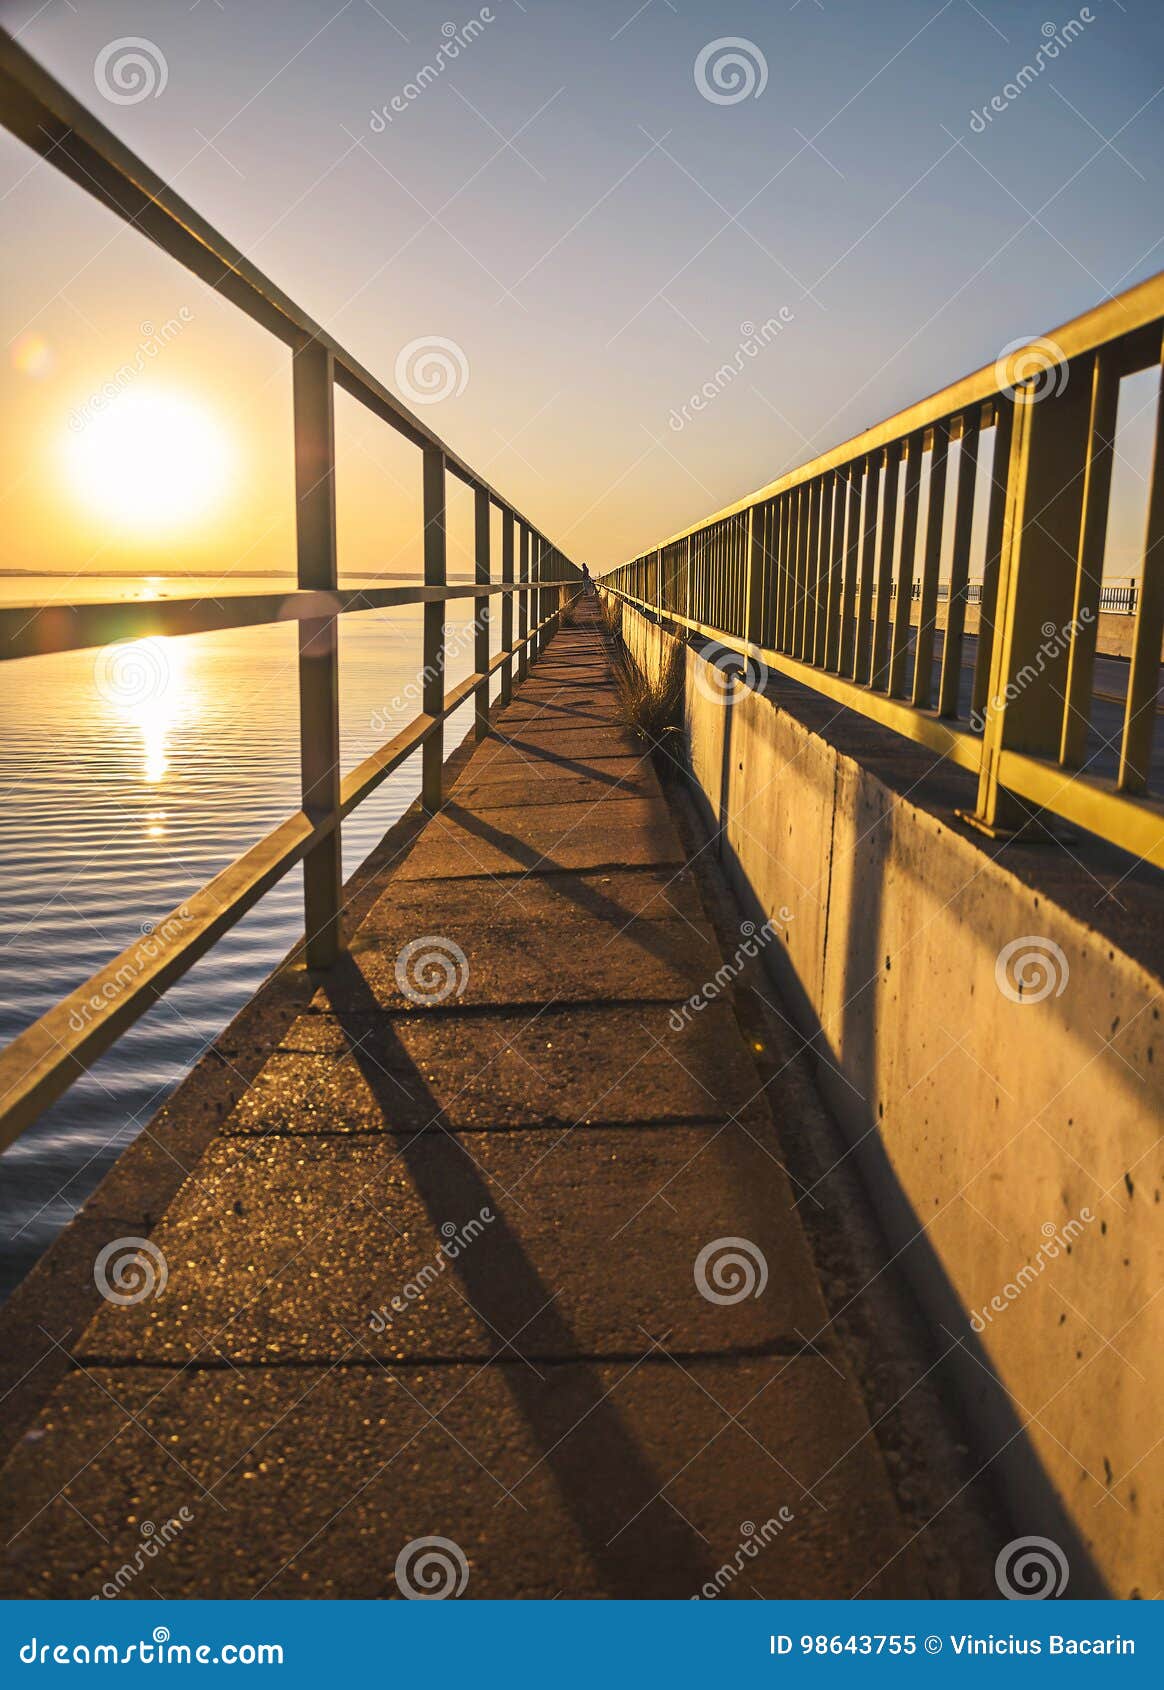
x: 33, y: 630
x: 1127, y: 315
x: 924, y: 727
x: 378, y: 765
x: 56, y: 126
x: 1135, y: 824
x: 44, y: 1061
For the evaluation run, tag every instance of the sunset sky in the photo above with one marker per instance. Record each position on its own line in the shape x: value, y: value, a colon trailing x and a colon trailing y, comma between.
x: 593, y: 236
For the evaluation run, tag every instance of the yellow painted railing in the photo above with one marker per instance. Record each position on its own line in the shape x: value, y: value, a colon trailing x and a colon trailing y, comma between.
x: 45, y: 1059
x: 815, y: 576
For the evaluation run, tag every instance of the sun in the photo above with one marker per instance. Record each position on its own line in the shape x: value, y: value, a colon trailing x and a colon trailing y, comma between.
x: 150, y: 461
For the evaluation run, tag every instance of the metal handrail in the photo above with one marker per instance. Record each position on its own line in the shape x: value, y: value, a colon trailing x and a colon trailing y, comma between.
x: 44, y: 1060
x: 815, y: 575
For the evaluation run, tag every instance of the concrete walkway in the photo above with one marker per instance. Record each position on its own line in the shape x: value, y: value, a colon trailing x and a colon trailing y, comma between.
x: 489, y: 1252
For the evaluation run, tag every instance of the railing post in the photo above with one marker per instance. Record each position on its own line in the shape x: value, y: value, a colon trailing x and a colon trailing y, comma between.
x: 481, y: 517
x: 507, y: 605
x: 949, y: 686
x: 1144, y: 668
x: 319, y: 750
x: 1105, y: 390
x: 927, y: 587
x: 433, y: 654
x: 523, y: 616
x: 754, y: 591
x: 1028, y: 667
x: 537, y: 564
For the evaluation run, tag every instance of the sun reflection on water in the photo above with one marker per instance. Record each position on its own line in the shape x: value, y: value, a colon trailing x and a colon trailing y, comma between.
x: 145, y: 684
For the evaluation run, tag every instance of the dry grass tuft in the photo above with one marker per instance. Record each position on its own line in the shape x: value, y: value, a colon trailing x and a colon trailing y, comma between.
x: 652, y: 707
x: 611, y: 609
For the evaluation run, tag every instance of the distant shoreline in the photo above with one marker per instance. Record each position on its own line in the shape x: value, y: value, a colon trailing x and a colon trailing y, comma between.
x: 203, y: 575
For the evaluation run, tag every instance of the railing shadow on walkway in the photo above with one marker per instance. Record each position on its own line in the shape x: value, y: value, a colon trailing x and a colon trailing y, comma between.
x: 507, y: 1294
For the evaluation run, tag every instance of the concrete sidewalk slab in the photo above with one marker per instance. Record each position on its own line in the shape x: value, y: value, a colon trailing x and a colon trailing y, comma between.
x: 461, y: 841
x: 613, y: 896
x: 520, y: 1268
x: 287, y: 1248
x: 589, y: 1480
x: 562, y: 1067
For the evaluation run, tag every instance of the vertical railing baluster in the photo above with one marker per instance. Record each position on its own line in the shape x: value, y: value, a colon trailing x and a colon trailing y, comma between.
x: 823, y: 566
x: 950, y: 685
x: 1029, y: 668
x: 507, y: 605
x: 313, y: 374
x: 1144, y: 670
x: 433, y: 653
x: 855, y: 476
x: 864, y: 638
x: 923, y: 665
x: 522, y: 600
x: 768, y: 590
x: 796, y: 539
x: 878, y: 663
x: 1105, y: 392
x: 899, y: 647
x: 783, y: 569
x: 754, y: 590
x: 995, y: 524
x: 835, y: 581
x: 481, y: 570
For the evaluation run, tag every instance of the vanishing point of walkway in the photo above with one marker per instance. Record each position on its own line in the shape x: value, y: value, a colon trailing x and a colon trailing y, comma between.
x: 458, y: 1265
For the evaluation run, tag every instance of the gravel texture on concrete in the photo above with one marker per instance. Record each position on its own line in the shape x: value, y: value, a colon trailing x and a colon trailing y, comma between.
x: 493, y: 1243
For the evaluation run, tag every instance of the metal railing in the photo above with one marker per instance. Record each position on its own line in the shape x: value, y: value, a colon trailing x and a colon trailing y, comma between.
x: 41, y: 1062
x: 1119, y: 601
x: 814, y: 576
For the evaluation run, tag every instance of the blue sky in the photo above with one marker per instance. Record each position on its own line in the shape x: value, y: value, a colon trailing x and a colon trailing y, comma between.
x: 593, y: 234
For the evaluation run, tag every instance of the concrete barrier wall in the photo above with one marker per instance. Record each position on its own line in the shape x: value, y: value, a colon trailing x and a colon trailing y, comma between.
x: 1012, y: 1148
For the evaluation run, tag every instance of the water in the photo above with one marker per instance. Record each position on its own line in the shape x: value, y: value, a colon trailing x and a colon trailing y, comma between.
x: 129, y: 779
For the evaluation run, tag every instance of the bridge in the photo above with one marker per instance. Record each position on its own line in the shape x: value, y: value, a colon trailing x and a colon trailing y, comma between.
x: 711, y: 1148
